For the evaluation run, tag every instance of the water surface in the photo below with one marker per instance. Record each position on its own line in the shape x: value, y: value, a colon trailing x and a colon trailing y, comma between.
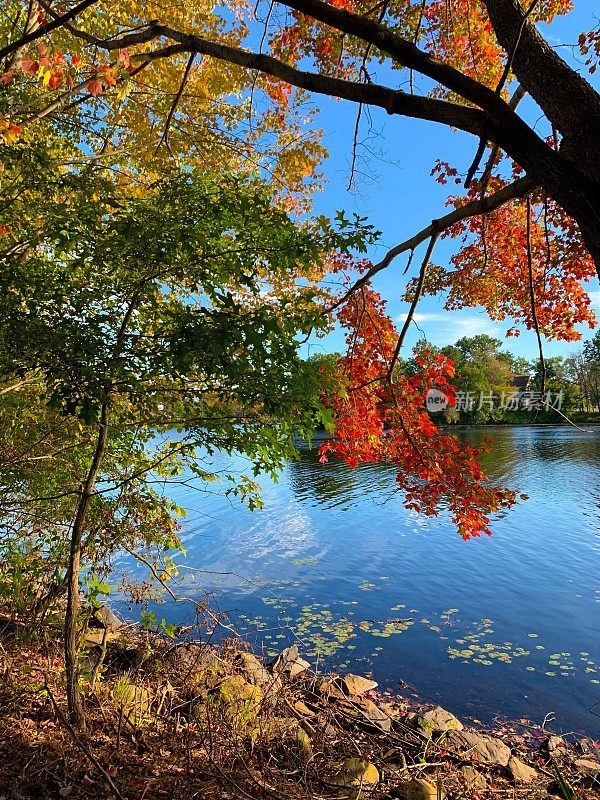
x: 503, y: 626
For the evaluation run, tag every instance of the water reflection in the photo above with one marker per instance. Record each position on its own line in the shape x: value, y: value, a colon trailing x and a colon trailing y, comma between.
x: 507, y: 625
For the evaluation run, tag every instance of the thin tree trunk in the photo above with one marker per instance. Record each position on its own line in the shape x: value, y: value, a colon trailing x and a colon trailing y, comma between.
x: 75, y: 705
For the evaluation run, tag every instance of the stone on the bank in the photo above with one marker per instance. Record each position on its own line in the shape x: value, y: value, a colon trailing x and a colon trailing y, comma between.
x: 521, y: 773
x: 133, y: 700
x: 254, y: 671
x: 289, y: 663
x: 366, y: 711
x: 107, y: 619
x: 301, y: 707
x: 415, y: 789
x: 330, y: 688
x: 554, y: 742
x: 98, y: 636
x: 190, y: 658
x: 375, y: 715
x: 472, y: 779
x: 354, y: 772
x: 357, y: 685
x: 393, y: 710
x: 438, y: 720
x: 241, y: 701
x: 489, y: 749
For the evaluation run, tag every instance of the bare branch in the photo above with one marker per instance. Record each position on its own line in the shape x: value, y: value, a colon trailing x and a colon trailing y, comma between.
x: 532, y: 299
x: 393, y: 101
x: 164, y: 139
x: 482, y: 206
x: 414, y: 303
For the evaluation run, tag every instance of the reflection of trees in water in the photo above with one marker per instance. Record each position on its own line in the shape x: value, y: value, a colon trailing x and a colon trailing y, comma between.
x: 517, y: 454
x: 501, y: 462
x: 335, y: 483
x: 540, y: 444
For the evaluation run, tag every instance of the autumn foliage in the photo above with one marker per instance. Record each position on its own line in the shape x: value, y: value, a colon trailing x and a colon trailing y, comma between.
x: 382, y: 416
x: 149, y: 98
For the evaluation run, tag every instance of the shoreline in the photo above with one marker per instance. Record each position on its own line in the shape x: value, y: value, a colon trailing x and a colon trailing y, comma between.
x: 218, y: 720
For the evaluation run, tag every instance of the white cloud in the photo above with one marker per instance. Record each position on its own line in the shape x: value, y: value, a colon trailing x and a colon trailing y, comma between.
x: 442, y: 328
x: 595, y: 298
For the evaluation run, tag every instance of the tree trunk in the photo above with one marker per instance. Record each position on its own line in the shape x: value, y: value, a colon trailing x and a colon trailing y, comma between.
x: 71, y: 643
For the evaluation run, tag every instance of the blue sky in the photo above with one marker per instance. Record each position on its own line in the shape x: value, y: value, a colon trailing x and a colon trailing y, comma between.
x: 395, y: 192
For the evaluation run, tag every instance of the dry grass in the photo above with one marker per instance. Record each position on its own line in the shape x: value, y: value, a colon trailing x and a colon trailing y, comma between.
x: 157, y: 728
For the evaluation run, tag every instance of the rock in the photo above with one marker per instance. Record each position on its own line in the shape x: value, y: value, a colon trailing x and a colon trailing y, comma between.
x: 107, y: 619
x: 393, y: 710
x: 331, y: 688
x: 357, y: 685
x: 416, y: 789
x: 185, y: 659
x: 254, y: 671
x: 98, y: 636
x: 288, y: 662
x: 587, y: 747
x: 472, y: 779
x: 521, y: 773
x: 489, y: 749
x: 304, y: 746
x: 301, y: 707
x: 354, y: 772
x: 133, y: 700
x: 375, y: 715
x: 587, y: 764
x: 366, y: 711
x: 241, y: 701
x: 554, y: 742
x: 438, y: 720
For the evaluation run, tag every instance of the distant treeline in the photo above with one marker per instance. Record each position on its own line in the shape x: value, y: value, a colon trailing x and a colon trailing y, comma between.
x: 493, y: 386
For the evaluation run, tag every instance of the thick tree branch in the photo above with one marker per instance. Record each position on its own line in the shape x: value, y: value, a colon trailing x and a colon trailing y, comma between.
x: 59, y: 21
x: 566, y: 98
x: 475, y: 208
x: 393, y: 101
x: 404, y: 52
x: 570, y: 176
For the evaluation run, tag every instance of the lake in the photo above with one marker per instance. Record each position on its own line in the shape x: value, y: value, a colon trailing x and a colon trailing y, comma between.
x: 504, y: 626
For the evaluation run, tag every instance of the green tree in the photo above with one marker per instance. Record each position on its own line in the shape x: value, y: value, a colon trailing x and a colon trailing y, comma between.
x: 129, y: 315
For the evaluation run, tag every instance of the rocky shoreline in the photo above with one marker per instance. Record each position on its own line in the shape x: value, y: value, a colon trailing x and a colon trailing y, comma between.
x: 191, y: 719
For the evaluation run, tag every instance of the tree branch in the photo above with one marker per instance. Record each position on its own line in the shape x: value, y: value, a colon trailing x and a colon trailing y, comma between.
x: 566, y: 98
x: 415, y: 301
x: 59, y: 21
x: 482, y: 206
x: 391, y: 100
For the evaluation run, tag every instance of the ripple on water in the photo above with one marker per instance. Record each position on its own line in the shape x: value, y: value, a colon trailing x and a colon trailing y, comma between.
x: 339, y: 543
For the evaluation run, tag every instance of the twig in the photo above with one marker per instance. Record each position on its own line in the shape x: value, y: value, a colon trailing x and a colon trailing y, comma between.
x: 481, y: 206
x: 534, y: 315
x: 57, y: 22
x: 172, y: 594
x: 415, y: 301
x: 164, y: 139
x: 85, y: 750
x: 508, y: 66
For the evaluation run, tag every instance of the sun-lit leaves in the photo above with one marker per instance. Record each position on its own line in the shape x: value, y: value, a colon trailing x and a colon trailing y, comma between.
x: 382, y: 415
x: 490, y: 269
x: 589, y: 44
